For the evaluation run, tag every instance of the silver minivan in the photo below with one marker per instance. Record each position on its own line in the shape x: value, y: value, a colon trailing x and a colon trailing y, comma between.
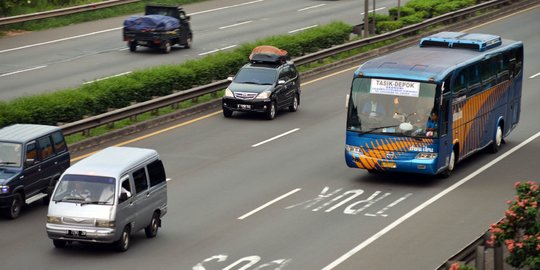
x: 108, y: 196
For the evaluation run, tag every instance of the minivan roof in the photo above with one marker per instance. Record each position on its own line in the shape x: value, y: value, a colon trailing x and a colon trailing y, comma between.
x: 112, y: 161
x: 23, y: 133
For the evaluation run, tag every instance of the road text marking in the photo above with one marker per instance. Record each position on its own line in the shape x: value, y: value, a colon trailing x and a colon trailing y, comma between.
x: 270, y: 203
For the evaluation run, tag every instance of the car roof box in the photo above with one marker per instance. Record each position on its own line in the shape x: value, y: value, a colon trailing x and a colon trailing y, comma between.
x: 268, y: 54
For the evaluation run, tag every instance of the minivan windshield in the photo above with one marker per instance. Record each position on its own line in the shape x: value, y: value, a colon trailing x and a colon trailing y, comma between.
x: 10, y: 154
x: 256, y: 76
x: 85, y: 189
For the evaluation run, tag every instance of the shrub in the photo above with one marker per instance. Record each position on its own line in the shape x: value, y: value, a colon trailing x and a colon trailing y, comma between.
x: 519, y: 229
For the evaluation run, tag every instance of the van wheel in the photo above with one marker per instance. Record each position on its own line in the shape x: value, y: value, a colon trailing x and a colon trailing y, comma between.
x: 188, y: 43
x: 167, y: 47
x: 497, y: 140
x: 451, y: 165
x: 59, y: 243
x: 132, y: 46
x: 152, y: 229
x: 271, y: 113
x: 294, y: 105
x: 123, y: 243
x: 14, y: 210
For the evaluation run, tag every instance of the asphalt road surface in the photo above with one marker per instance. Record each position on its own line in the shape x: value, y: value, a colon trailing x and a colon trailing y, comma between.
x: 68, y: 57
x: 250, y: 194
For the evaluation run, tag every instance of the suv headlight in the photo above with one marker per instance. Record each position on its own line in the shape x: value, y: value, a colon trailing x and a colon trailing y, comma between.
x: 54, y: 220
x: 228, y: 93
x: 4, y: 189
x: 426, y: 156
x: 105, y: 223
x: 263, y: 95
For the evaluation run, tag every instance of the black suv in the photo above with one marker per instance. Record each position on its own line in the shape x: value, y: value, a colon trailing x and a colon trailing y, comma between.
x: 32, y: 158
x: 264, y: 87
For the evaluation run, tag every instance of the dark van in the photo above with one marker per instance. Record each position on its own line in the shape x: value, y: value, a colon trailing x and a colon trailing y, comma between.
x: 32, y: 158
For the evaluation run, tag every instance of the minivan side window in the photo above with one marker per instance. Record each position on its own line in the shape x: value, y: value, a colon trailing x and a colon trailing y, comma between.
x: 59, y: 142
x: 139, y: 178
x: 31, y: 151
x: 45, y: 147
x: 126, y: 185
x: 156, y: 172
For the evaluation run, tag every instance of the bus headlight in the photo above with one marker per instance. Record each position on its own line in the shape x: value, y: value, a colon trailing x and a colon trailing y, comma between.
x: 228, y: 93
x: 105, y: 223
x: 54, y: 220
x: 354, y: 149
x: 426, y: 156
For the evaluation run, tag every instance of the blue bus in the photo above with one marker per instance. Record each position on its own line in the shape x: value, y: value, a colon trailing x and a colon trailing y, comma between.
x: 425, y: 108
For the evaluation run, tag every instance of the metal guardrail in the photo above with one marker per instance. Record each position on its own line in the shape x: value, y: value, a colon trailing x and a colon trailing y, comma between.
x: 87, y: 124
x: 63, y: 11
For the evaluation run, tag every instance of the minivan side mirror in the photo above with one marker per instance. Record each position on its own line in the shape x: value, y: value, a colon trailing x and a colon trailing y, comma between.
x: 29, y: 162
x: 123, y: 197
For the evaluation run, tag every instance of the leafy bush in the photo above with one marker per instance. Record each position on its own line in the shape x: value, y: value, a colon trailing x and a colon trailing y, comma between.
x: 404, y: 11
x: 388, y: 26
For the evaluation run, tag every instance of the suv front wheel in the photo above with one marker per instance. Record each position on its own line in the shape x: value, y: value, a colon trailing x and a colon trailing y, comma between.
x: 294, y: 105
x: 271, y: 113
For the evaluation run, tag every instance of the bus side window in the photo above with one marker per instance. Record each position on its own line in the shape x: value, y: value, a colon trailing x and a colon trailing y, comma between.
x: 459, y: 87
x: 503, y: 74
x: 474, y: 80
x: 487, y: 74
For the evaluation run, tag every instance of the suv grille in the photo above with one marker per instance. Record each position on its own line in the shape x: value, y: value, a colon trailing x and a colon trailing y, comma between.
x: 245, y: 95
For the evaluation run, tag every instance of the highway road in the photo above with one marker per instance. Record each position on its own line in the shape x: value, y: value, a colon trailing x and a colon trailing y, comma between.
x: 71, y: 56
x: 253, y: 194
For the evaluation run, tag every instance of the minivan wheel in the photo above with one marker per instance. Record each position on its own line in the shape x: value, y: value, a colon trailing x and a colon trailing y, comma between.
x: 271, y: 113
x: 123, y: 243
x: 152, y: 229
x: 294, y: 105
x: 188, y: 43
x: 59, y: 243
x: 15, y: 208
x: 227, y: 113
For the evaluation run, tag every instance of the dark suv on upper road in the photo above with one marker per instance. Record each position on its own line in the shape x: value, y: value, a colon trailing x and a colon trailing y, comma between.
x: 264, y: 87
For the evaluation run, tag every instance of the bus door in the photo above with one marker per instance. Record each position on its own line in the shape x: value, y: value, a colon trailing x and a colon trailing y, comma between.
x: 445, y: 124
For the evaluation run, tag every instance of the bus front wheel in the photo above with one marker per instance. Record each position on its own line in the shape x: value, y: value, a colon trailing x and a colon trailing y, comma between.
x: 497, y: 140
x: 451, y: 164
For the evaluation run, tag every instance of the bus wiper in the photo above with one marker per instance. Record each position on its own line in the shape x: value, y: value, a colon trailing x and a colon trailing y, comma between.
x: 375, y: 128
x: 7, y: 162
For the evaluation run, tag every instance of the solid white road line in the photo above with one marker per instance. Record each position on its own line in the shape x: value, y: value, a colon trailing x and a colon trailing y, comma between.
x: 222, y: 8
x: 270, y: 203
x: 101, y: 79
x: 427, y: 203
x: 535, y: 75
x: 308, y: 8
x: 234, y: 25
x: 276, y: 137
x: 20, y: 71
x: 302, y: 29
x: 217, y: 50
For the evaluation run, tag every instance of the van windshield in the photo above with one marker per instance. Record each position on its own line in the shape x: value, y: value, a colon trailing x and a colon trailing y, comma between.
x: 85, y: 189
x: 10, y: 154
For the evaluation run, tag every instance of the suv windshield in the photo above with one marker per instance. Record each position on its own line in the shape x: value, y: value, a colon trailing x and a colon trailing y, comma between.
x: 390, y: 106
x: 85, y: 189
x: 10, y: 154
x: 256, y: 76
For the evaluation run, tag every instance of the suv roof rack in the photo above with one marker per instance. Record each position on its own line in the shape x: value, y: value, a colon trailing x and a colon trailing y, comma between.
x: 475, y: 41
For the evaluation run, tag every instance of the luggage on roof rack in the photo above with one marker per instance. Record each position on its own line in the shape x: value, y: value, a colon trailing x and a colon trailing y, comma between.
x: 268, y: 54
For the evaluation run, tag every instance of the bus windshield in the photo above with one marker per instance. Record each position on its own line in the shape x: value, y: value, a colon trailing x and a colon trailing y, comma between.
x: 390, y: 106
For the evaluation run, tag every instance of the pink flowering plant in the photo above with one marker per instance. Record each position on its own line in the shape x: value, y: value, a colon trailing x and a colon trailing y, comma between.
x: 519, y: 229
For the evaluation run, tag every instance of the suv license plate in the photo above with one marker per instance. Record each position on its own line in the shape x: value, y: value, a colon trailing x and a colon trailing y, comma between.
x: 244, y: 106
